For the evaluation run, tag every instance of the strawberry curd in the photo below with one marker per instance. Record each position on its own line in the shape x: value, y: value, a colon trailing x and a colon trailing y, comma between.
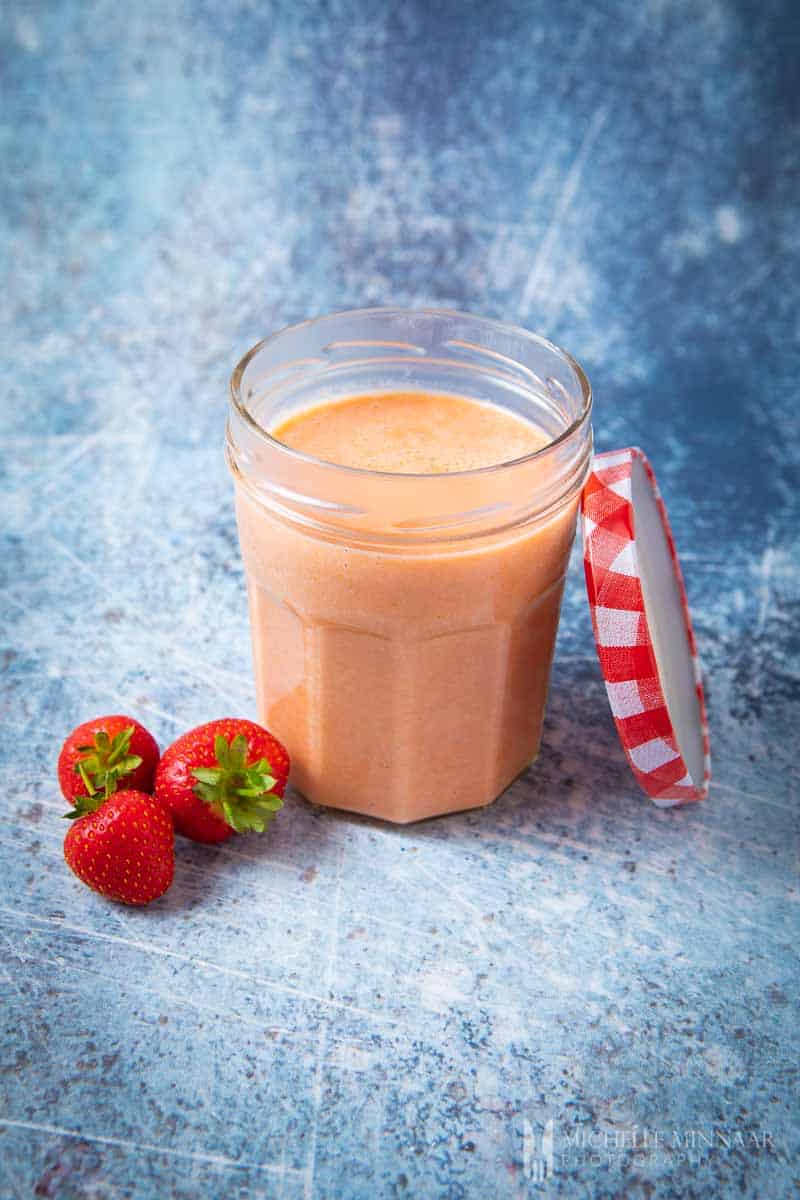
x: 407, y: 680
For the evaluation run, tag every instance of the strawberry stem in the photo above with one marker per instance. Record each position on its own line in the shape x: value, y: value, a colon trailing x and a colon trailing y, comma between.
x: 102, y: 765
x: 241, y: 793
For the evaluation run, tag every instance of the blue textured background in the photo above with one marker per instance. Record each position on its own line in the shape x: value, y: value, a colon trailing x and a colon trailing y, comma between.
x: 344, y: 1009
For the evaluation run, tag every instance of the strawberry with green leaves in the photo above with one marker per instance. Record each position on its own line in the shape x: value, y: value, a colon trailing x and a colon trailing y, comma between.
x: 104, y: 754
x: 222, y: 778
x: 122, y: 846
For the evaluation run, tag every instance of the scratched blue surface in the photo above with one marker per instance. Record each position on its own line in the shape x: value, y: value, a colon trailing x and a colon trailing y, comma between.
x: 570, y: 980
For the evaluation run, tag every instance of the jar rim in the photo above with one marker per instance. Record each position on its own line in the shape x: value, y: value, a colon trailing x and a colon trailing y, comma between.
x: 486, y: 322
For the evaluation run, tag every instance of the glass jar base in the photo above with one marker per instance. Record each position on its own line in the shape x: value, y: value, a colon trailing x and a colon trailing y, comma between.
x: 367, y: 807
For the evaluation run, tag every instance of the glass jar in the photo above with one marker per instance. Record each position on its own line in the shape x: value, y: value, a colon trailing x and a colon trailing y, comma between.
x: 403, y: 625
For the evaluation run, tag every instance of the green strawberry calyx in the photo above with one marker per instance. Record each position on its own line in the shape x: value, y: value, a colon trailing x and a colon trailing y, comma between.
x: 241, y: 793
x: 102, y: 765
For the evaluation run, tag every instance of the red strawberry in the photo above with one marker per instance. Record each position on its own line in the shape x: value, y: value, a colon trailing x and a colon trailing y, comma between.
x: 103, y: 753
x: 224, y: 777
x: 124, y: 848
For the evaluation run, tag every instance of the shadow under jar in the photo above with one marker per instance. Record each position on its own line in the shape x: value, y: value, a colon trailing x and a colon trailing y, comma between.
x: 404, y: 625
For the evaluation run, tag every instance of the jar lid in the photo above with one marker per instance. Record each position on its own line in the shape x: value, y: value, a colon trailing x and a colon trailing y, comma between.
x: 643, y: 629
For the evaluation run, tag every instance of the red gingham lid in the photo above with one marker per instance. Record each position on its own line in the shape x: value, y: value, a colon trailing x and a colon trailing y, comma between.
x: 643, y: 630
